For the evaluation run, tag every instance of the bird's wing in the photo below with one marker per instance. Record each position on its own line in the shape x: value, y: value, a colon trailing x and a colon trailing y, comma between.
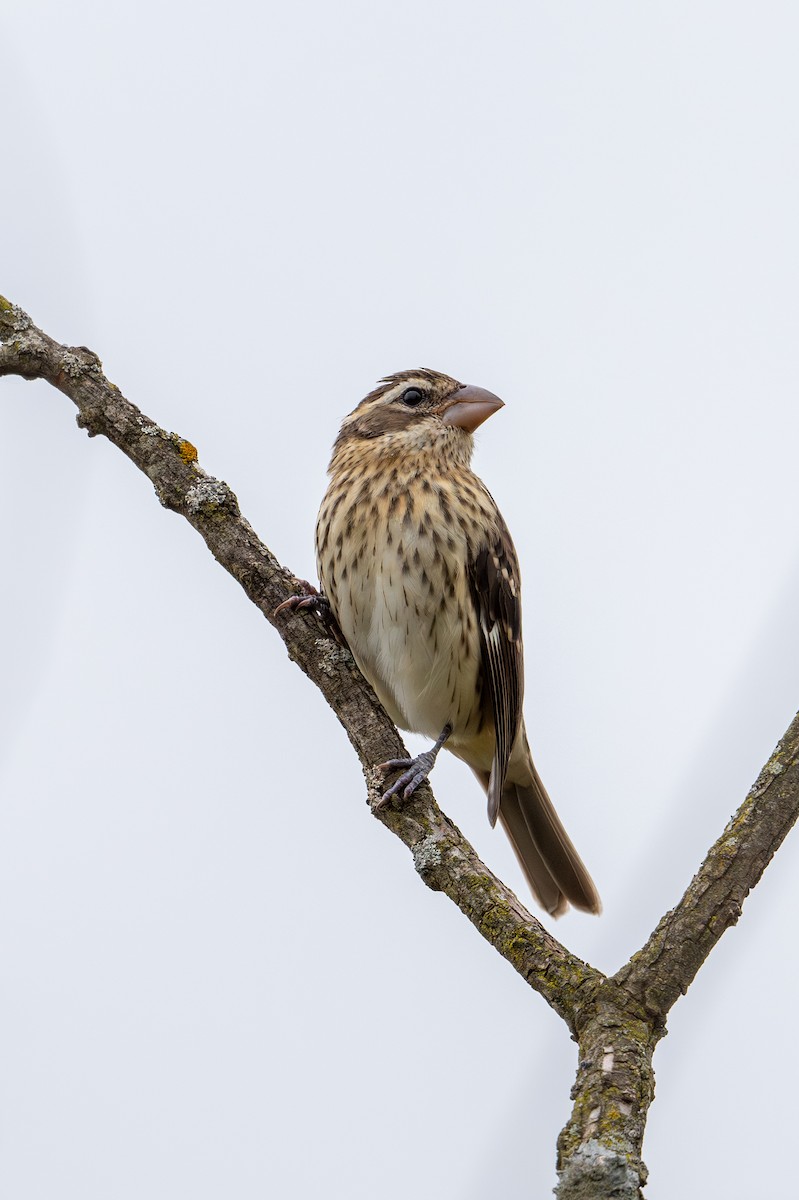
x: 495, y: 585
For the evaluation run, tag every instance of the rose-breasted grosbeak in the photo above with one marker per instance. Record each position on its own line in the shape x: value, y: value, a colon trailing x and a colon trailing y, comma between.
x: 422, y: 578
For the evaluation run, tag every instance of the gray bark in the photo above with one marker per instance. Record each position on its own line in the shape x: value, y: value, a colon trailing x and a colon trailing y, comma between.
x: 618, y: 1020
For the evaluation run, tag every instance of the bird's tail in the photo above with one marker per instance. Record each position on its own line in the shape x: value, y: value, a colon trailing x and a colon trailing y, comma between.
x: 553, y: 868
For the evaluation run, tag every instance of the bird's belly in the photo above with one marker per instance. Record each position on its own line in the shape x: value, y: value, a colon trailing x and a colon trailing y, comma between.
x: 413, y: 641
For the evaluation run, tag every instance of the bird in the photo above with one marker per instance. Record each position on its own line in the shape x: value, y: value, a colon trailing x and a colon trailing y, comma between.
x: 422, y: 580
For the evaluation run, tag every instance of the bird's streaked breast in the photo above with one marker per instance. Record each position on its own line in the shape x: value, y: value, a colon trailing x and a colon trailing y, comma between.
x: 392, y: 560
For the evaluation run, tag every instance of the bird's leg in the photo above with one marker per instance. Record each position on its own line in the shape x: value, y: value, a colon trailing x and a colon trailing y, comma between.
x: 415, y: 770
x: 312, y: 600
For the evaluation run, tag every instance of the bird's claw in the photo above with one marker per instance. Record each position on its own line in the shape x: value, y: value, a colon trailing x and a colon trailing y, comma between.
x: 309, y: 597
x: 414, y: 772
x: 296, y: 603
x: 312, y: 600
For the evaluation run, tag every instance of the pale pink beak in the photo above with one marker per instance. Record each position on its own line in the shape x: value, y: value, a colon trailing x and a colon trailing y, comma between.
x: 469, y: 407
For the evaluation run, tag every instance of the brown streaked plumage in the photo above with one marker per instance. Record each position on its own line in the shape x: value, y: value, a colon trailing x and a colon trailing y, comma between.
x: 422, y: 578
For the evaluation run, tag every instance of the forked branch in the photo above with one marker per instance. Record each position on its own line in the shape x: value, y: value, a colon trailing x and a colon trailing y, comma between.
x: 617, y: 1020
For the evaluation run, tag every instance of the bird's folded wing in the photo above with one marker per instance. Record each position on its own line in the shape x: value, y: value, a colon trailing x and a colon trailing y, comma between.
x: 495, y: 586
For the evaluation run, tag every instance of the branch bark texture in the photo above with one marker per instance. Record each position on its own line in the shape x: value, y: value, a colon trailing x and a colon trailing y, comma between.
x: 616, y: 1020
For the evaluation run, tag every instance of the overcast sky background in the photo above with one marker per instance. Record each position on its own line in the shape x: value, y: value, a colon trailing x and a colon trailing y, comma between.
x: 220, y: 977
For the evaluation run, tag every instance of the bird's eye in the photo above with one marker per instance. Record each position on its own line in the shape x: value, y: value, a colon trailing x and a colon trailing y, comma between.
x: 412, y: 397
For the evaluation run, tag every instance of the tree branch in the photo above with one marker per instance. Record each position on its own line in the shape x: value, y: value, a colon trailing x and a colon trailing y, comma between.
x: 619, y: 1020
x: 599, y: 1150
x: 665, y: 967
x: 443, y: 857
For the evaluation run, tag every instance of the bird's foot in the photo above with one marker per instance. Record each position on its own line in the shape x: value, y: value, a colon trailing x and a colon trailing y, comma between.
x: 309, y: 597
x: 311, y: 600
x: 414, y: 770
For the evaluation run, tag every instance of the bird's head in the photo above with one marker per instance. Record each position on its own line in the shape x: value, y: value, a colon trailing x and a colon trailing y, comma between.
x: 417, y: 410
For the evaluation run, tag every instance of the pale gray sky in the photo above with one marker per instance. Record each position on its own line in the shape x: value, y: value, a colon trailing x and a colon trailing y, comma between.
x: 217, y: 978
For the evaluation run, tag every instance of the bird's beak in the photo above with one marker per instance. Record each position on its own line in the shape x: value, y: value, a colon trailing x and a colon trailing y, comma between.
x: 469, y: 407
